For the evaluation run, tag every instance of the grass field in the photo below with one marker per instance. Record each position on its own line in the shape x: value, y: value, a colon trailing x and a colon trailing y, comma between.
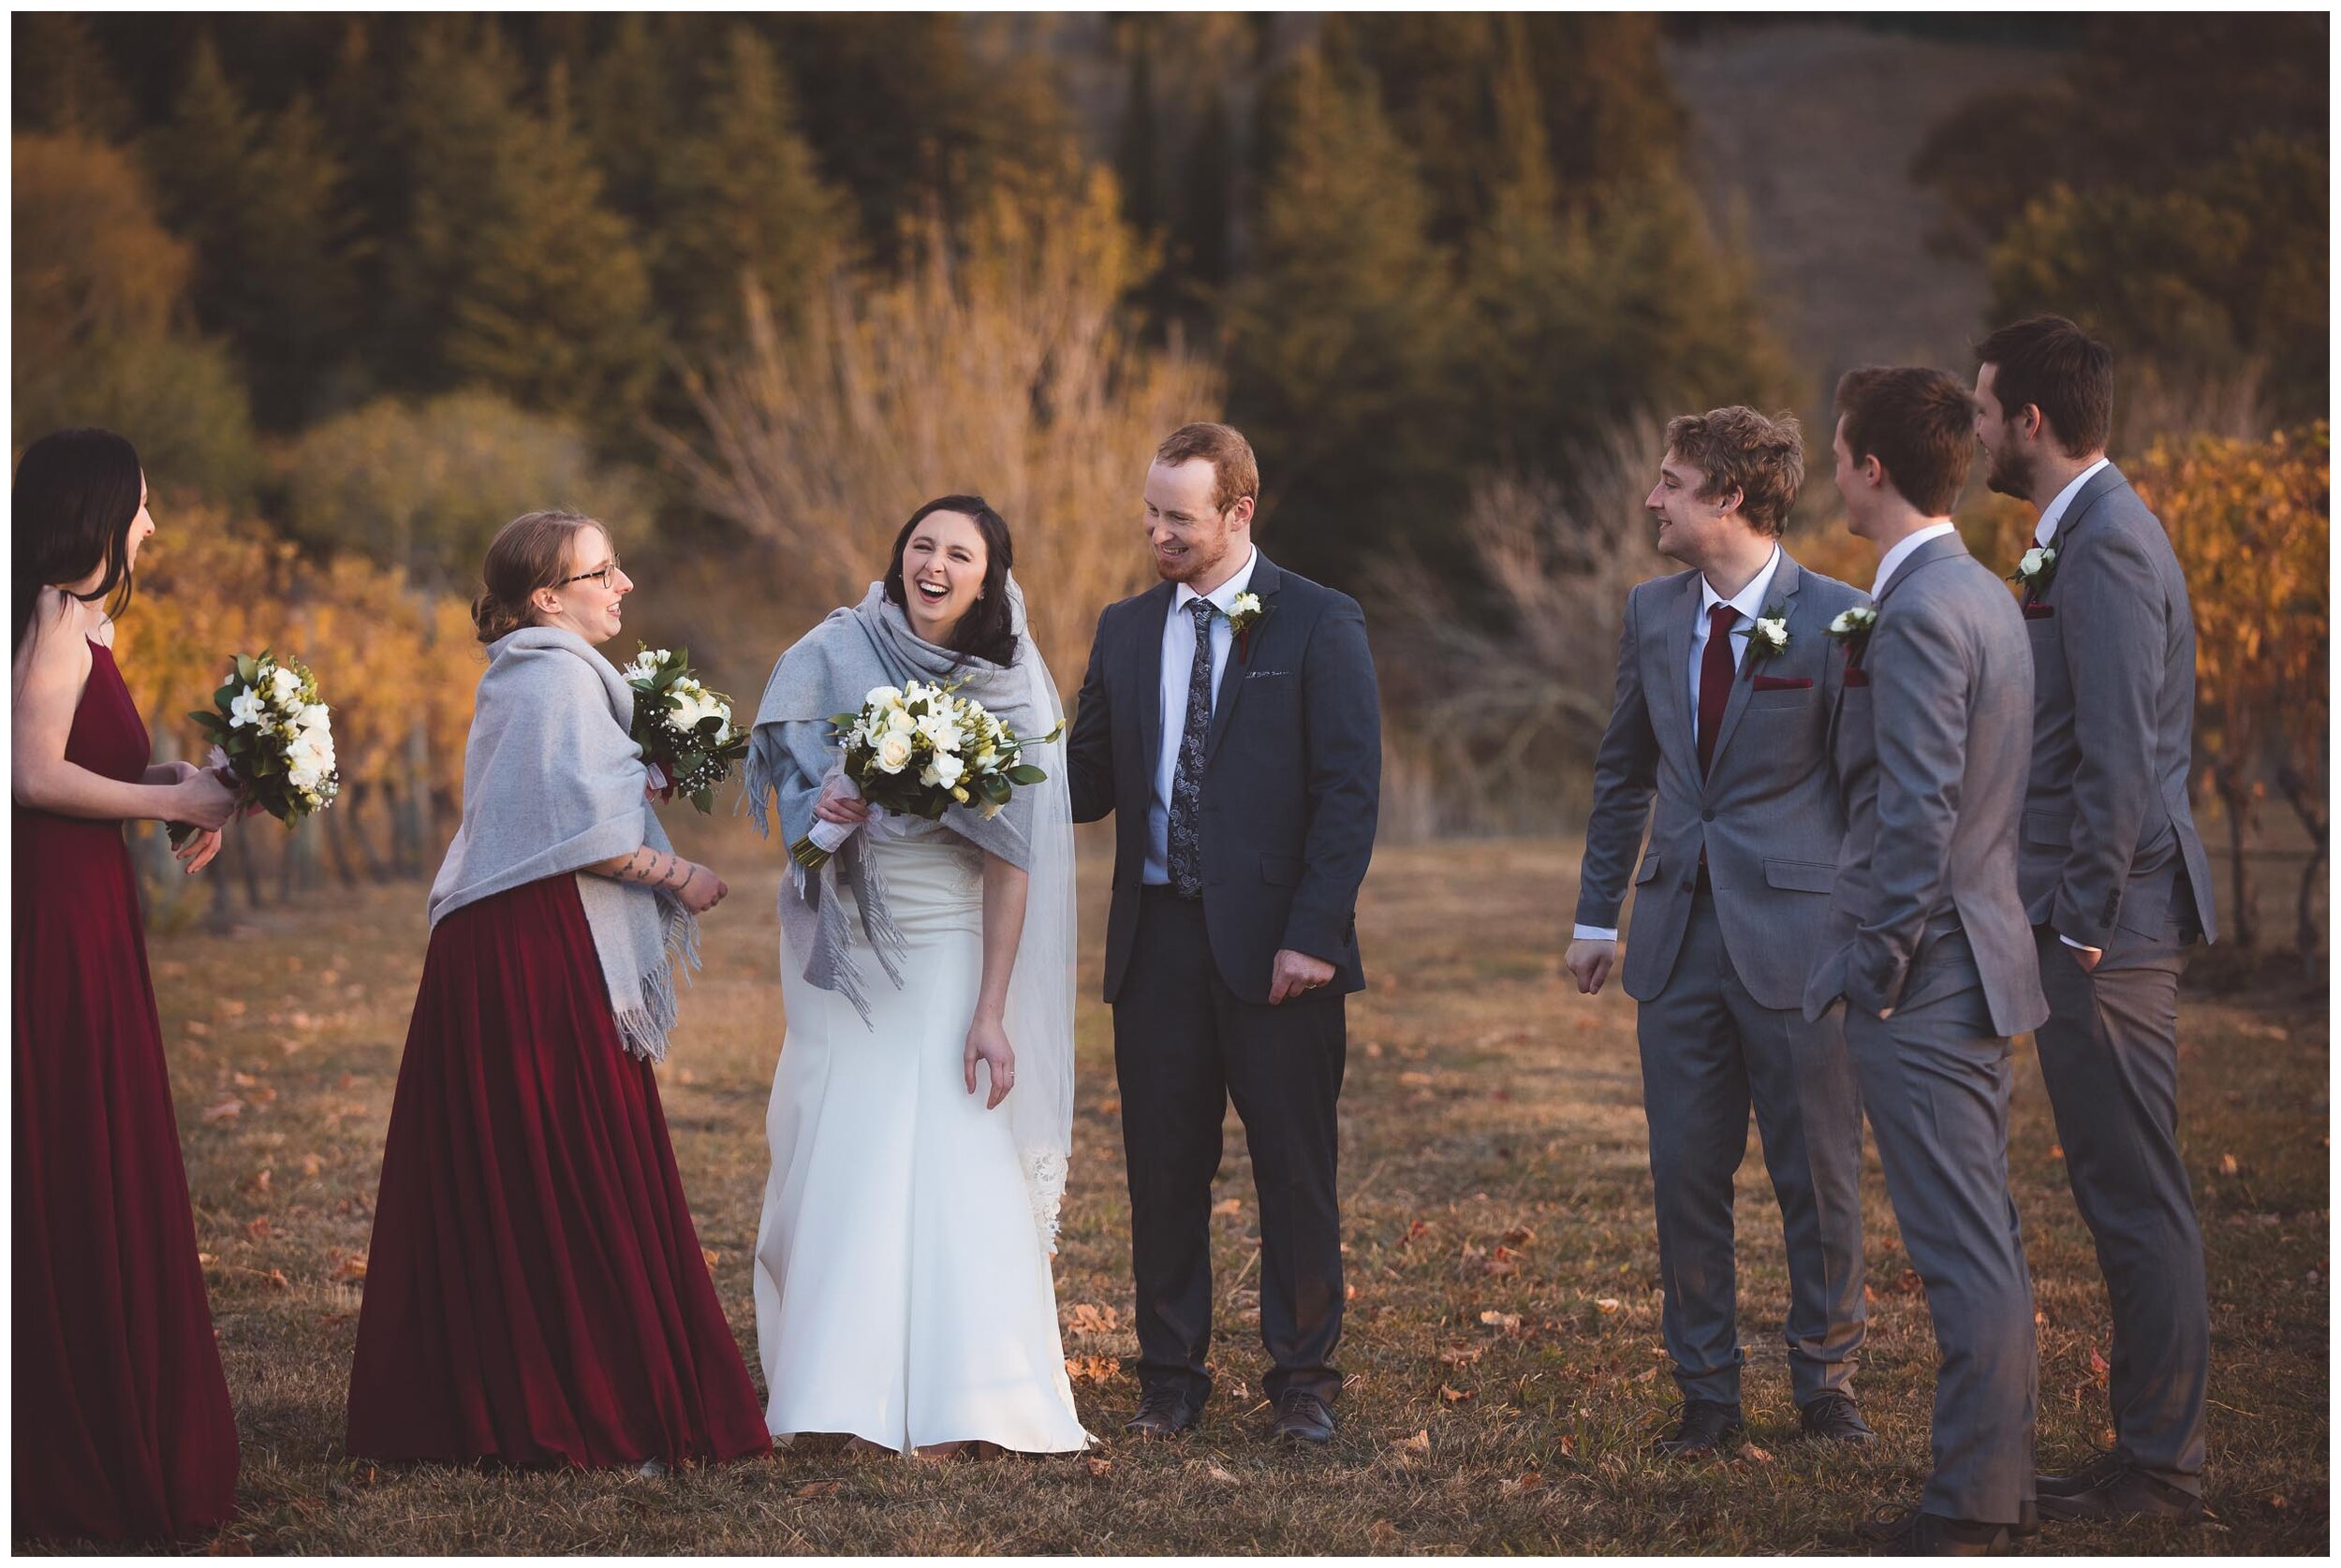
x: 1502, y: 1351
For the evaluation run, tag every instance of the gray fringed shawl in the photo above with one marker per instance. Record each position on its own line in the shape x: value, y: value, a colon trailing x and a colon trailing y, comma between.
x: 829, y: 671
x: 553, y: 782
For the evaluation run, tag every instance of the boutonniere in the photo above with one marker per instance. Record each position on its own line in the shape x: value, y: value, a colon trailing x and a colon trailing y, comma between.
x: 2035, y: 571
x: 1245, y: 614
x: 1852, y: 628
x: 1768, y: 635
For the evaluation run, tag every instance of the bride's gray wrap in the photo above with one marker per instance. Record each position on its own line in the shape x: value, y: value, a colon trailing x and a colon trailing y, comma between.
x: 554, y: 782
x: 830, y: 671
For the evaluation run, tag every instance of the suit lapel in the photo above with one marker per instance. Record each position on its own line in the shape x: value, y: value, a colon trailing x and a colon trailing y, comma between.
x: 1681, y: 621
x: 1151, y: 621
x: 1784, y: 583
x: 2099, y: 485
x: 1266, y: 580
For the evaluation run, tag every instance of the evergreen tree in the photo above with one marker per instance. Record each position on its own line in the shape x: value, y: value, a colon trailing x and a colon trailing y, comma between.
x: 1337, y: 356
x: 61, y: 81
x: 737, y: 197
x: 261, y: 200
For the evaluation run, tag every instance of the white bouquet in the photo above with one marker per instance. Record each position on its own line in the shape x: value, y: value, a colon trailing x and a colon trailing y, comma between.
x: 273, y: 739
x: 918, y: 750
x: 685, y: 730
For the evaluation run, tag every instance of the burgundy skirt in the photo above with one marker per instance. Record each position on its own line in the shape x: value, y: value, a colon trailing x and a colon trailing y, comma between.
x: 122, y: 1426
x: 535, y: 1291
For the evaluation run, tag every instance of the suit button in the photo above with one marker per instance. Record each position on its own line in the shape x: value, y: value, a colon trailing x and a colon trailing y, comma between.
x: 1706, y: 816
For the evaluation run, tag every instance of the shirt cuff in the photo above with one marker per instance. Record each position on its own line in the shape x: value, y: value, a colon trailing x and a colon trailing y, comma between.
x: 1594, y: 933
x: 2077, y: 946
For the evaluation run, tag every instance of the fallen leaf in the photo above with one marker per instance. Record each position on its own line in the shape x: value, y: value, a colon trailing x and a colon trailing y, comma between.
x: 1494, y: 1319
x: 1092, y: 1369
x: 712, y: 1258
x: 1418, y: 1444
x: 1417, y: 1080
x: 2057, y: 1151
x: 206, y: 1259
x: 1216, y: 1473
x: 257, y: 1230
x: 1533, y: 1481
x: 274, y: 1279
x: 197, y: 1028
x: 1087, y: 1318
x: 226, y: 1111
x: 352, y: 1267
x: 2097, y: 1367
x: 1110, y: 1107
x: 1099, y: 1467
x: 259, y: 1179
x: 1608, y: 1304
x: 816, y: 1489
x: 1761, y: 1456
x: 1462, y: 1356
x: 1350, y: 1293
x: 1227, y: 1206
x: 1381, y: 1531
x: 1519, y: 1236
x: 1374, y: 1049
x: 2226, y: 1164
x: 1457, y: 1396
x: 312, y: 1165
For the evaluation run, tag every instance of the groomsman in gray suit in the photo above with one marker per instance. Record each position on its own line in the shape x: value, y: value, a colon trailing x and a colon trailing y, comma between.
x: 2117, y: 888
x: 1928, y: 945
x: 1725, y: 685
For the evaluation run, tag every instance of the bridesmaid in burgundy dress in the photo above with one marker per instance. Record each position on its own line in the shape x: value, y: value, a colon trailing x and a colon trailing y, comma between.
x: 121, y: 1426
x: 535, y: 1294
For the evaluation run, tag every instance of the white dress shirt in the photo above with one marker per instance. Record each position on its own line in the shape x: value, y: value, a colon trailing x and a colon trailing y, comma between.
x: 1749, y: 602
x: 1178, y: 664
x: 1902, y: 552
x: 2053, y: 513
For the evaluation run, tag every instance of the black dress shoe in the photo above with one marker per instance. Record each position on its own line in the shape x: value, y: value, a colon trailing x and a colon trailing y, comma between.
x: 1162, y: 1413
x: 1911, y: 1533
x: 2131, y: 1493
x: 1834, y: 1417
x: 1302, y: 1417
x: 2104, y: 1467
x: 1706, y: 1427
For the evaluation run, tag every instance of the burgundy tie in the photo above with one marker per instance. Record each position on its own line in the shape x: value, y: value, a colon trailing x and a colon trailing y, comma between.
x: 1716, y: 671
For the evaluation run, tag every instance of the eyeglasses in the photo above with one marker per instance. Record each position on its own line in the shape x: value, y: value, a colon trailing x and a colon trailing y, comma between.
x: 605, y: 575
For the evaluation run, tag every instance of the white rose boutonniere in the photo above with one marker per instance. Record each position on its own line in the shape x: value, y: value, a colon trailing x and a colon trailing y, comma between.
x: 2035, y: 572
x: 1246, y: 614
x: 1768, y: 635
x: 1853, y: 623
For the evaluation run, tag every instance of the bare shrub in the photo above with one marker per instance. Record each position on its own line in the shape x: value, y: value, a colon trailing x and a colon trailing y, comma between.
x: 1000, y: 362
x: 1501, y: 697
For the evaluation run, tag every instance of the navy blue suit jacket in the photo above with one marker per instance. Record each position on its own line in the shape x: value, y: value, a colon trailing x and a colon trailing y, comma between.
x: 1291, y: 776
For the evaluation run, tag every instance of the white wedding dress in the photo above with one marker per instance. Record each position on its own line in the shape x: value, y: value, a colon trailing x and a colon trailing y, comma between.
x: 903, y: 1287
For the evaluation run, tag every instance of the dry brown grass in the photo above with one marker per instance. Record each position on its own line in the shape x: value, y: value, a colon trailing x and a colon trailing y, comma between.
x: 1485, y: 1101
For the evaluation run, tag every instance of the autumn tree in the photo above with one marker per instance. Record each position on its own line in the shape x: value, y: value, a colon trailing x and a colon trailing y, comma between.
x: 2250, y: 523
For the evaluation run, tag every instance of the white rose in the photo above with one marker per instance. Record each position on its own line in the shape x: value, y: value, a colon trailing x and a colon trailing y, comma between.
x: 2034, y: 559
x: 316, y: 719
x: 1773, y: 631
x: 899, y: 722
x: 893, y: 751
x: 883, y: 696
x: 245, y: 709
x: 944, y: 773
x: 286, y: 686
x: 305, y: 778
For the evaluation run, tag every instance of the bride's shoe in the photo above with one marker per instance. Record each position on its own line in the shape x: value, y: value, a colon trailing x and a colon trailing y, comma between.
x: 942, y: 1451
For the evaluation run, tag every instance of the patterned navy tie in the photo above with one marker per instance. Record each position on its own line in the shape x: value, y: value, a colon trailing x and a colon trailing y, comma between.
x: 1186, y: 780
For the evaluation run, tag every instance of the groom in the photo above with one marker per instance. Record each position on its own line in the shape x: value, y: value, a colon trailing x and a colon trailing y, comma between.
x: 1228, y: 720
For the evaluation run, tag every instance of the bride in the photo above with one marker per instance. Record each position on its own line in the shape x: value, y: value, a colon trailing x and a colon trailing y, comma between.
x: 921, y: 1113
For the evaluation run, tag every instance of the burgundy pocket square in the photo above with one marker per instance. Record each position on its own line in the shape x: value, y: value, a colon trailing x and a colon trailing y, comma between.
x: 1784, y: 684
x: 2040, y: 612
x: 1856, y: 675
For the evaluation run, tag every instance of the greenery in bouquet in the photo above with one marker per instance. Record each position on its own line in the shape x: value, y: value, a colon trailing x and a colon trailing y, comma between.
x: 272, y: 738
x: 685, y: 730
x: 919, y: 750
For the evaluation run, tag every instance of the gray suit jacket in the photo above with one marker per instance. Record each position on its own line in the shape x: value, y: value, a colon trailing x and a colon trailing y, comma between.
x: 1768, y: 814
x: 1932, y: 738
x: 2107, y: 827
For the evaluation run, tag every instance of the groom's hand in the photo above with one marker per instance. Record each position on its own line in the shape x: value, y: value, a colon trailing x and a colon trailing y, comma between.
x: 1590, y: 960
x: 1295, y: 974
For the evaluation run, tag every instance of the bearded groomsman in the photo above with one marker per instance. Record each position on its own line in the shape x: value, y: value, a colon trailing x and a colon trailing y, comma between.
x: 2115, y: 886
x: 1927, y: 943
x: 1725, y: 685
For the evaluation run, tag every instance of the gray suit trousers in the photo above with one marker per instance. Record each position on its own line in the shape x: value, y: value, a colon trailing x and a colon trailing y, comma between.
x: 1936, y: 1081
x: 1709, y: 1050
x: 2109, y: 1055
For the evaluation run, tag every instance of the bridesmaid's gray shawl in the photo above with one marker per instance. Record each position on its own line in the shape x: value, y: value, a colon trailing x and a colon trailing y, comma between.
x: 829, y: 670
x: 553, y: 782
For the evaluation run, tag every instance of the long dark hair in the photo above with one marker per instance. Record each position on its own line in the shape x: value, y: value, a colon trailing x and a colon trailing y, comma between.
x: 74, y: 497
x: 988, y: 630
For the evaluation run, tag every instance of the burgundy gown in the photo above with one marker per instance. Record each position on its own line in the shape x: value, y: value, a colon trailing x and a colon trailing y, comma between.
x: 535, y: 1292
x: 123, y: 1427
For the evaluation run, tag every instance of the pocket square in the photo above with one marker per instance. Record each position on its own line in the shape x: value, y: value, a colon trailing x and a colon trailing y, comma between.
x: 1784, y: 684
x: 1856, y: 675
x: 2040, y: 612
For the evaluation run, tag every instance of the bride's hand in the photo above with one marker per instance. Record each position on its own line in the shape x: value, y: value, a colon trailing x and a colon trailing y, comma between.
x: 836, y: 805
x: 987, y: 1041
